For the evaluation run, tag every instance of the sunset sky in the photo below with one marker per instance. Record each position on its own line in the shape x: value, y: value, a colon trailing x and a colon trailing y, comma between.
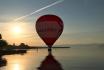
x: 83, y: 20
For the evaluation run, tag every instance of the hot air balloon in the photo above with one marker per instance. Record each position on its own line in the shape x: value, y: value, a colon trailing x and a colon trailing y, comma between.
x: 49, y: 28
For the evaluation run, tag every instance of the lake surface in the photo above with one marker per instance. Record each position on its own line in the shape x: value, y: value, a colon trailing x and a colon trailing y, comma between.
x: 75, y: 58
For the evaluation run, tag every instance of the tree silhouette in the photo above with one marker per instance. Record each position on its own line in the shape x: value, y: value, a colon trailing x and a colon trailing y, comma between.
x: 0, y: 36
x: 3, y: 43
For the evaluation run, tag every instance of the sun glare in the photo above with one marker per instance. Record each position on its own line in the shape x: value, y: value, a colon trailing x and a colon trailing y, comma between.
x: 16, y: 67
x: 17, y: 29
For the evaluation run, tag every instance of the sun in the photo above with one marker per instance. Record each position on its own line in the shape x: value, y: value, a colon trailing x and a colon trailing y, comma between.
x: 17, y: 30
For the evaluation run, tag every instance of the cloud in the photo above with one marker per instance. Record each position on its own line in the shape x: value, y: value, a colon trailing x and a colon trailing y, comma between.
x: 34, y: 12
x: 4, y: 20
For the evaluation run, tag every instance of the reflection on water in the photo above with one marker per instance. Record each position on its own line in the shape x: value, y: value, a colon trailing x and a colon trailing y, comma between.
x: 50, y: 63
x: 3, y: 61
x: 60, y: 59
x: 27, y: 62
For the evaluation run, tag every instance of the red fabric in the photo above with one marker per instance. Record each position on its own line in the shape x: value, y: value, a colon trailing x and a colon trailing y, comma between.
x: 50, y: 63
x: 49, y: 28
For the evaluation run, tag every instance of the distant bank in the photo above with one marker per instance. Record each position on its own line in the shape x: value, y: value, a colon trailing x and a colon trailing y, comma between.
x: 34, y: 47
x: 28, y: 47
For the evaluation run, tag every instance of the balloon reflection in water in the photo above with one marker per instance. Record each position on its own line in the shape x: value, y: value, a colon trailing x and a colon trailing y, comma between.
x: 50, y: 63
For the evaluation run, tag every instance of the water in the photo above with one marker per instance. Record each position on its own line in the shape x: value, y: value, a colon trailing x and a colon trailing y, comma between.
x: 79, y: 58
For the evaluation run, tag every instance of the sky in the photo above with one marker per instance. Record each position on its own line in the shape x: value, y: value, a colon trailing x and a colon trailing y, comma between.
x: 83, y: 20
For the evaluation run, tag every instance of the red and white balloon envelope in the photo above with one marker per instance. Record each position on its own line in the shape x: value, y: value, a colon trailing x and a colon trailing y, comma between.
x: 49, y: 28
